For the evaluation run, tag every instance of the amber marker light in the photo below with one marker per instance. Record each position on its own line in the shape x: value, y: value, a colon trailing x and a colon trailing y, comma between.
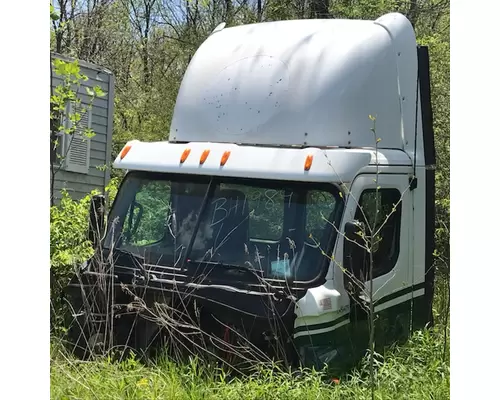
x: 308, y: 163
x: 125, y: 150
x: 224, y: 158
x: 204, y: 156
x: 185, y: 155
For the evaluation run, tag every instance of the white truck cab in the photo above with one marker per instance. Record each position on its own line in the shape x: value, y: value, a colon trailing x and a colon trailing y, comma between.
x: 283, y: 135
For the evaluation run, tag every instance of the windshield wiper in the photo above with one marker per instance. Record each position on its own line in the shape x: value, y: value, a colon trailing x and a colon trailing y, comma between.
x: 210, y: 190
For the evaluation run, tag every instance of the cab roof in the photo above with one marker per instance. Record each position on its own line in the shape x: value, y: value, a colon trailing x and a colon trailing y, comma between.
x: 302, y: 82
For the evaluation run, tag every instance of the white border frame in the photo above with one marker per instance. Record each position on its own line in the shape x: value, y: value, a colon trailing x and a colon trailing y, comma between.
x: 25, y: 200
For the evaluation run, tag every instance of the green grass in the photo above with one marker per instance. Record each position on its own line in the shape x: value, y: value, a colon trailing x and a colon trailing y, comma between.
x: 417, y: 370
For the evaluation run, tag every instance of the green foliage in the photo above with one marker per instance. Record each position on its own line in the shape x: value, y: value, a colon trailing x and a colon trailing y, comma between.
x: 365, y: 9
x: 439, y: 47
x: 111, y: 190
x: 97, y: 91
x: 415, y: 371
x: 54, y: 16
x: 68, y: 229
x: 65, y: 107
x: 65, y: 96
x: 69, y: 245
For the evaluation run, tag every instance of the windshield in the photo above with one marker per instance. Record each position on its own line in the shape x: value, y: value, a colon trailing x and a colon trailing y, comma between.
x: 279, y: 228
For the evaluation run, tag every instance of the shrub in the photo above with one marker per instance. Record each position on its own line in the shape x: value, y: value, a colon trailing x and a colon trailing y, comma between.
x: 69, y: 245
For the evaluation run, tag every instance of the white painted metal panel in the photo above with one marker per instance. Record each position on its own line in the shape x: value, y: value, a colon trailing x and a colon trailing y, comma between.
x: 312, y: 82
x: 329, y: 165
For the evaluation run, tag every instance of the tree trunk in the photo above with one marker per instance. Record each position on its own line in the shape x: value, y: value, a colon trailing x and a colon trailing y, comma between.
x: 229, y: 12
x: 320, y: 9
x: 412, y: 14
x: 54, y: 127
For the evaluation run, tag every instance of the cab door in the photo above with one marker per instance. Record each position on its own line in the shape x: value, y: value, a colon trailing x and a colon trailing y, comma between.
x: 382, y: 204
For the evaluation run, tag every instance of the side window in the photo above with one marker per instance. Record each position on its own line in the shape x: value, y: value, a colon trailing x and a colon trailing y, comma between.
x: 146, y: 219
x: 387, y: 222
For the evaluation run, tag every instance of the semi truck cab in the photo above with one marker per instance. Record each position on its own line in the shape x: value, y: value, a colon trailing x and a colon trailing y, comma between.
x: 294, y: 194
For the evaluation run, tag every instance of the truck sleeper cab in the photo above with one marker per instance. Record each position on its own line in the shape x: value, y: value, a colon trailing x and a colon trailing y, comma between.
x: 243, y: 228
